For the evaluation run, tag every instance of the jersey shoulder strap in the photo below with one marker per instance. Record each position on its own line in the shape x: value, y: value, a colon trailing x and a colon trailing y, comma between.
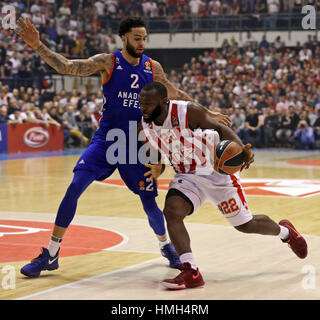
x: 179, y: 114
x: 111, y: 70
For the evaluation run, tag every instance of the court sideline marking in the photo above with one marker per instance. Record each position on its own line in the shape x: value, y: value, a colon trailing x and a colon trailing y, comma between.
x: 75, y: 283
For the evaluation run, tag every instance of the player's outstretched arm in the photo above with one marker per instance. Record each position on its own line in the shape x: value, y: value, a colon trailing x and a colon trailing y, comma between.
x: 199, y: 118
x: 173, y: 92
x: 177, y: 94
x: 83, y: 67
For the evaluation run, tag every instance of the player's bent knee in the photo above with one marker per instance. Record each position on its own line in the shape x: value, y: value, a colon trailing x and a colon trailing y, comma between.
x: 174, y: 211
x: 74, y: 189
x: 177, y: 205
x: 149, y: 203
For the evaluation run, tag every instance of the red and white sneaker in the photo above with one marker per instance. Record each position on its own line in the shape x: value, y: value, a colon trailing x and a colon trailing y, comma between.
x: 295, y: 241
x: 188, y: 278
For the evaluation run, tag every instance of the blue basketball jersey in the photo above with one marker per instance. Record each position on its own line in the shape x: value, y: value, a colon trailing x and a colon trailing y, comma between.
x: 121, y: 91
x: 121, y: 105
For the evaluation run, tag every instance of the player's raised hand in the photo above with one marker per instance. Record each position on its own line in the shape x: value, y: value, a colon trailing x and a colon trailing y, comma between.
x: 28, y: 33
x: 248, y: 156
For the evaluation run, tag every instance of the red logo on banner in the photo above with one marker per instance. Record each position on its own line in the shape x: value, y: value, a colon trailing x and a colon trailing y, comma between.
x: 29, y: 137
x: 36, y: 137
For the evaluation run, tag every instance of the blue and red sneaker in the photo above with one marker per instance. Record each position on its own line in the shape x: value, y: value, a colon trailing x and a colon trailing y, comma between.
x: 170, y: 253
x: 43, y: 262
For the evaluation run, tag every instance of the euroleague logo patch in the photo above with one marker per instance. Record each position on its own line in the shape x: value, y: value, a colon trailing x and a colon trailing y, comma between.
x: 22, y: 240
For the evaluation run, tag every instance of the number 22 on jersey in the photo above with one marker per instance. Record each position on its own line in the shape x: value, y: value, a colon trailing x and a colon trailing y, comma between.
x: 228, y: 207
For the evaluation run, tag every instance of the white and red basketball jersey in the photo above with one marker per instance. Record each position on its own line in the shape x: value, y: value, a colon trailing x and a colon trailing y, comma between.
x: 187, y: 151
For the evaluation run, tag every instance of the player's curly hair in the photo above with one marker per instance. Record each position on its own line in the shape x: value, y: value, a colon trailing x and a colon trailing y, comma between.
x: 128, y: 23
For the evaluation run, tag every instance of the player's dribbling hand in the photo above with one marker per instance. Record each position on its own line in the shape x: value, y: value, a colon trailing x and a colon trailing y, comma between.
x: 248, y: 156
x: 28, y: 33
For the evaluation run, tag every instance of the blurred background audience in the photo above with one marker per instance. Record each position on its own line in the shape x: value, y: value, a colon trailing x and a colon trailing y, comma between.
x: 270, y: 91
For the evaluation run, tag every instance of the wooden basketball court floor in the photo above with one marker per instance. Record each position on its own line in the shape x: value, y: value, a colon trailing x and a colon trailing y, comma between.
x: 110, y: 252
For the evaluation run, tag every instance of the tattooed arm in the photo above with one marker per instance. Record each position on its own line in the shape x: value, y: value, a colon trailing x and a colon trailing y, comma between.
x: 84, y: 67
x: 173, y: 92
x: 177, y: 94
x: 81, y: 67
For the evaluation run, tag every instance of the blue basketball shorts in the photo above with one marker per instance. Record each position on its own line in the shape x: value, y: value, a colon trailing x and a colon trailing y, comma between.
x: 94, y: 159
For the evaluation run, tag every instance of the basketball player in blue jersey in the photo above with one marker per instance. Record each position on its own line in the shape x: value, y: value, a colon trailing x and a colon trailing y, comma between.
x: 123, y: 74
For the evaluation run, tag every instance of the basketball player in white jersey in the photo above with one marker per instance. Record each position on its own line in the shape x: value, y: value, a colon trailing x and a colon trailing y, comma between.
x: 167, y: 126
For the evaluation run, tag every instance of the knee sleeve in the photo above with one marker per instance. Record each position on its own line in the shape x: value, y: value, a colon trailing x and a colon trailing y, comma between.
x: 155, y: 215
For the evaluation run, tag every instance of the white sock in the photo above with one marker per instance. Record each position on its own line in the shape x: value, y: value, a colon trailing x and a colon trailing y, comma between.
x: 54, y: 245
x: 188, y: 257
x: 163, y: 242
x: 284, y: 233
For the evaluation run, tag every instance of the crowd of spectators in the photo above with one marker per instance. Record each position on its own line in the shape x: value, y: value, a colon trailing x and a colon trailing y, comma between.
x: 84, y: 27
x: 77, y: 114
x: 270, y: 91
x: 115, y: 9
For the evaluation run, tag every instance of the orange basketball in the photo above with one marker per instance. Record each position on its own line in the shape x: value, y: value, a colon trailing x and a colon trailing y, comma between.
x: 228, y: 157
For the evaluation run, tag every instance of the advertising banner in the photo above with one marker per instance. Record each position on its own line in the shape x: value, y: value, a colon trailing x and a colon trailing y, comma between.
x: 3, y: 138
x: 34, y: 137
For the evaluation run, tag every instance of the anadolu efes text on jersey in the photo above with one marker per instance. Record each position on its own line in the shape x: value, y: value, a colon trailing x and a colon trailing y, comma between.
x: 129, y: 99
x: 186, y: 150
x: 121, y: 91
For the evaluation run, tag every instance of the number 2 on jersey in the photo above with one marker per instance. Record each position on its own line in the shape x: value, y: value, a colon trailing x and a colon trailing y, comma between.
x: 134, y: 84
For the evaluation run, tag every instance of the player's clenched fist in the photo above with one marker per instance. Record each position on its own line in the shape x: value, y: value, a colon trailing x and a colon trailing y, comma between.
x: 28, y: 33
